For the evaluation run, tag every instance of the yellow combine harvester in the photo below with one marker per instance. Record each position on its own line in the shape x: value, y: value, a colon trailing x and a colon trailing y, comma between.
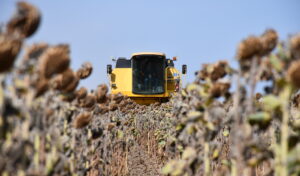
x: 145, y: 77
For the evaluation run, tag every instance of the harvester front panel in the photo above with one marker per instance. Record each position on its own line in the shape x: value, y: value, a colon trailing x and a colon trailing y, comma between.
x: 146, y: 78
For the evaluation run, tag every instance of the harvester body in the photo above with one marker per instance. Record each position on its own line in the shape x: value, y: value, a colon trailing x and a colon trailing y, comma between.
x: 145, y: 77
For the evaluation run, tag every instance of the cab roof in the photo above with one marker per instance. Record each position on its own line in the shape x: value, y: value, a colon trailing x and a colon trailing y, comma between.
x: 148, y: 53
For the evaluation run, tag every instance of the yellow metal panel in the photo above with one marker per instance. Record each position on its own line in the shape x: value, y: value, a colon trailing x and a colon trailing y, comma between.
x: 121, y: 80
x: 148, y: 53
x: 172, y: 74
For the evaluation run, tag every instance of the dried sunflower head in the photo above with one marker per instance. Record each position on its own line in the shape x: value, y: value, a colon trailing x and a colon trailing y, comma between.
x: 72, y: 86
x: 89, y: 101
x: 269, y: 41
x: 203, y: 73
x: 41, y: 86
x: 68, y: 97
x: 82, y: 120
x: 101, y: 92
x: 26, y: 20
x: 9, y: 49
x: 34, y: 51
x: 64, y: 79
x: 81, y: 93
x: 85, y: 70
x: 54, y: 60
x: 295, y: 46
x: 219, y: 88
x: 293, y: 73
x: 248, y: 48
x: 113, y: 106
x: 103, y: 108
x: 213, y: 71
x: 219, y: 70
x: 117, y: 97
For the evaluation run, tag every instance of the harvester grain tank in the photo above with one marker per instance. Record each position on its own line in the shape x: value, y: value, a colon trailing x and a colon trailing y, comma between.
x: 146, y: 77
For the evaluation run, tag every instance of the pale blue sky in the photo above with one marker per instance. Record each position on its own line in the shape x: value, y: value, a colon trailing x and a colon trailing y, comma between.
x: 196, y: 31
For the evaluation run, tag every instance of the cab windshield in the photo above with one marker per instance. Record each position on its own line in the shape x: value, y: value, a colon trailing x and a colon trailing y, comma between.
x: 148, y: 74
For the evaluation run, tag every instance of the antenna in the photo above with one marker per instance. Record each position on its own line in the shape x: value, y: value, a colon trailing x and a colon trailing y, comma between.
x: 114, y: 59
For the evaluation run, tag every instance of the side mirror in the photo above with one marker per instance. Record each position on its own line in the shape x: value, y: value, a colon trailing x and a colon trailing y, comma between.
x: 109, y: 69
x: 184, y: 69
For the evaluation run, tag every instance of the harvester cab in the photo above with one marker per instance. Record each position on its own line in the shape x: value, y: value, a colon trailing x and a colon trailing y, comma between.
x: 145, y: 77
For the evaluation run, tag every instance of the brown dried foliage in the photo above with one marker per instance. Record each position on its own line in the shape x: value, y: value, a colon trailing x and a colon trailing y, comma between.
x: 26, y: 20
x: 35, y: 51
x: 103, y: 108
x: 219, y: 88
x: 72, y: 86
x: 295, y: 46
x: 269, y: 41
x: 113, y: 106
x: 88, y: 102
x: 257, y: 46
x: 82, y: 120
x: 202, y: 74
x: 213, y: 72
x: 219, y: 70
x: 293, y: 73
x: 117, y: 97
x: 66, y: 81
x: 41, y: 86
x: 110, y: 126
x: 81, y: 93
x: 85, y: 70
x: 9, y: 49
x: 249, y: 48
x: 101, y: 92
x: 54, y: 60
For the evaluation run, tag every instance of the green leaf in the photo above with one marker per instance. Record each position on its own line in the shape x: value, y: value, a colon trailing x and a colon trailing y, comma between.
x: 188, y: 153
x: 174, y: 167
x: 179, y: 127
x: 276, y: 62
x: 192, y: 87
x: 260, y: 117
x: 226, y: 133
x: 180, y: 148
x: 270, y: 103
x: 162, y: 143
x: 168, y: 168
x: 209, y: 126
x: 215, y: 154
x: 183, y: 92
x: 194, y: 115
x: 225, y: 162
x: 190, y: 129
x: 197, y: 88
x: 120, y: 134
